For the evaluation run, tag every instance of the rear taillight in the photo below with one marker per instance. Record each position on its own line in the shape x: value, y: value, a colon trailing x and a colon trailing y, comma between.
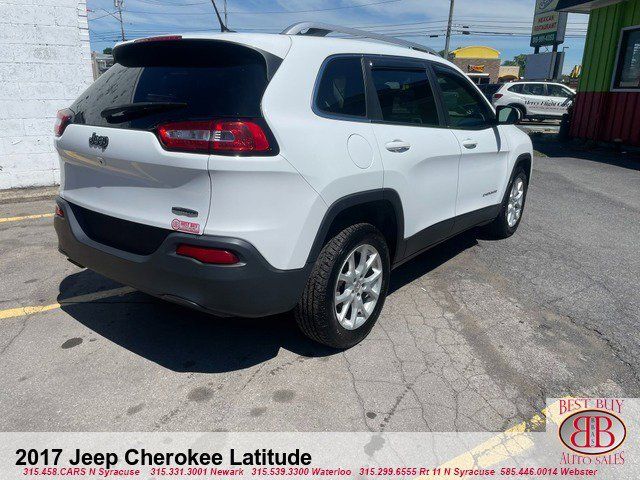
x: 239, y: 136
x: 63, y: 119
x: 59, y: 211
x: 207, y: 255
x: 215, y: 136
x: 496, y: 96
x: 186, y: 136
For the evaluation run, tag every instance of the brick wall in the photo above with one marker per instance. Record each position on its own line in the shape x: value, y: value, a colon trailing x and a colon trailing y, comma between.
x: 45, y: 63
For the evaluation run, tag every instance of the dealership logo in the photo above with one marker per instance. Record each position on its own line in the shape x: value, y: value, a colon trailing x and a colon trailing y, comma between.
x: 593, y: 432
x: 98, y: 141
x: 184, y: 226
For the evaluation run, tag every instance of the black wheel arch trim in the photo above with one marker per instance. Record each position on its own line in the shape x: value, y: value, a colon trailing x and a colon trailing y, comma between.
x: 522, y: 158
x: 355, y: 199
x: 519, y: 106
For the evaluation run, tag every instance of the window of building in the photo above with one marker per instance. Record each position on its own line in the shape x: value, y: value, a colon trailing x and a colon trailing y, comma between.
x: 466, y: 106
x: 405, y: 96
x: 341, y: 89
x: 627, y: 72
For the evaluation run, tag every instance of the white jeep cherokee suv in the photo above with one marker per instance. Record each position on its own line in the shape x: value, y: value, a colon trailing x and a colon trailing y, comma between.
x: 252, y: 174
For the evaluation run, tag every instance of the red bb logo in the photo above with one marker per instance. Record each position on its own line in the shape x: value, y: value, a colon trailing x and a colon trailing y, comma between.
x: 593, y: 432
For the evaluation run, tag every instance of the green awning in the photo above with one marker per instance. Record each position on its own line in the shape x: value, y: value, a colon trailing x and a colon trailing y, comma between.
x: 583, y: 6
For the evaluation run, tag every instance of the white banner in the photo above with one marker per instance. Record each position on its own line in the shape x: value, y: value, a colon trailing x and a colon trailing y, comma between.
x: 571, y: 438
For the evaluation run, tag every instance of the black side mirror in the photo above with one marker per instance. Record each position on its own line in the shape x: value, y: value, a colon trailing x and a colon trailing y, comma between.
x: 508, y: 115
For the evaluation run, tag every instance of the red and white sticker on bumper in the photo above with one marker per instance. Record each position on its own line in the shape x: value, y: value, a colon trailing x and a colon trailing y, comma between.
x: 184, y: 226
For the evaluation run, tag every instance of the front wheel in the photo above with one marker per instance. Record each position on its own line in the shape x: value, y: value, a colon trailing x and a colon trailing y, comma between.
x: 346, y: 289
x: 512, y: 208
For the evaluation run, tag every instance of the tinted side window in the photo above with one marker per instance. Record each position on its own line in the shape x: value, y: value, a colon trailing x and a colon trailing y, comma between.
x: 405, y: 96
x: 467, y: 109
x: 341, y: 89
x: 533, y: 89
x: 517, y: 88
x: 556, y: 91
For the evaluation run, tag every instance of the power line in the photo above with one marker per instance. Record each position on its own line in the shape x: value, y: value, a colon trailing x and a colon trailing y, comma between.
x: 165, y: 4
x: 517, y: 28
x: 108, y: 14
x: 397, y: 32
x: 382, y: 2
x: 380, y: 25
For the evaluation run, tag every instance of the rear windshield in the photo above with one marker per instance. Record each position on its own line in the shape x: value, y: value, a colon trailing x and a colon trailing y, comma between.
x: 158, y: 82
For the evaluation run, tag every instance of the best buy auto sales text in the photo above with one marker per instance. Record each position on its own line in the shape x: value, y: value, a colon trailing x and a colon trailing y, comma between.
x: 142, y: 457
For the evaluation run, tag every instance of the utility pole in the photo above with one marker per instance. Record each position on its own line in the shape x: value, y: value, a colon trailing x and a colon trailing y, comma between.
x: 226, y: 19
x: 447, y: 43
x: 119, y: 4
x: 223, y: 25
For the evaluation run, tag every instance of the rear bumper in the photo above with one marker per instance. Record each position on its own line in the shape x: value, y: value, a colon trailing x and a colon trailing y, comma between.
x: 252, y: 288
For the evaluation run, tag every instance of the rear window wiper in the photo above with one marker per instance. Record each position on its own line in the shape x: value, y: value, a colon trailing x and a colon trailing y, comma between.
x: 122, y: 113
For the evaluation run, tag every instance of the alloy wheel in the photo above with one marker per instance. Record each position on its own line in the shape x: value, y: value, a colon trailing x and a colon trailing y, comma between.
x: 516, y: 202
x: 358, y: 287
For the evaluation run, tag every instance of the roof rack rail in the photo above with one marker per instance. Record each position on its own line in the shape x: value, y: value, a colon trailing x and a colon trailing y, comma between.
x: 317, y: 29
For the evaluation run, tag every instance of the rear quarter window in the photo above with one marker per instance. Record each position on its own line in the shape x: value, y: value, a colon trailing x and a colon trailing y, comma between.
x: 340, y: 91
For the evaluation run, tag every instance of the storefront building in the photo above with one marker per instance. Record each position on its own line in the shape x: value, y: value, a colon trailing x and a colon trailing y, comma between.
x: 509, y: 73
x: 481, y: 64
x: 607, y: 107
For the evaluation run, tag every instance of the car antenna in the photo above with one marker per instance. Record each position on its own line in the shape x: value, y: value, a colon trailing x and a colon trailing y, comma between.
x: 223, y: 27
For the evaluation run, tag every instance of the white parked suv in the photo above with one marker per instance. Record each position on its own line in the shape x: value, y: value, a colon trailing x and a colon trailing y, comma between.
x: 541, y: 100
x: 252, y: 174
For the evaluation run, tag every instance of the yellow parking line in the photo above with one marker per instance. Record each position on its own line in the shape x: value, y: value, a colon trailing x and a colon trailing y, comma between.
x: 89, y: 297
x: 502, y: 446
x: 26, y: 217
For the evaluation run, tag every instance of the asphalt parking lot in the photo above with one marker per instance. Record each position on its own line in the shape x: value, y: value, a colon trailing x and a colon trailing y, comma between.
x: 474, y: 336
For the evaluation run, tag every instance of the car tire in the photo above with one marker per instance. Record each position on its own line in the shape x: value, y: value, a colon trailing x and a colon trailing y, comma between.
x: 512, y: 208
x: 523, y: 111
x: 319, y: 310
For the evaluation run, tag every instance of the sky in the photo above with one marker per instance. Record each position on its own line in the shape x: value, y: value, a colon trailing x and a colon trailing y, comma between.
x: 502, y: 24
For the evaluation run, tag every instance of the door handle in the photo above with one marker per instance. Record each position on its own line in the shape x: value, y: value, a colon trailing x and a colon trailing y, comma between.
x: 398, y: 146
x: 469, y: 143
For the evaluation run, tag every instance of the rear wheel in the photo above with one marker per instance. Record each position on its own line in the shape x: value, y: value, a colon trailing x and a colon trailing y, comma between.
x: 347, y: 288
